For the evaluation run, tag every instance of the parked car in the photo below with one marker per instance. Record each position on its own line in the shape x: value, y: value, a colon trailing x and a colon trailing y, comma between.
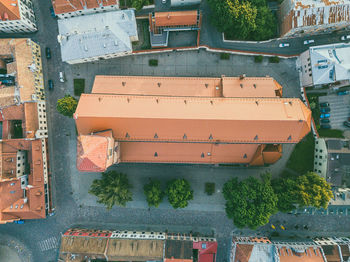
x: 50, y: 84
x: 48, y: 53
x: 326, y: 126
x: 164, y: 1
x: 306, y: 42
x: 345, y: 37
x: 52, y: 12
x: 325, y: 110
x: 325, y: 121
x: 283, y: 45
x: 346, y: 123
x: 343, y: 93
x: 62, y: 77
x: 325, y: 115
x: 18, y: 222
x: 324, y: 104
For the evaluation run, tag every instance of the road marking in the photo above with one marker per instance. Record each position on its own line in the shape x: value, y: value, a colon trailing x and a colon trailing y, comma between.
x: 50, y: 243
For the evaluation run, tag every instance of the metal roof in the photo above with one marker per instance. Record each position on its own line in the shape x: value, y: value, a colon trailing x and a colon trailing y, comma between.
x: 96, y: 34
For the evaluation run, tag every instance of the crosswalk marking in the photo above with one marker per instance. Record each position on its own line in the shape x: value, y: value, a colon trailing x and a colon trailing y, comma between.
x: 48, y: 244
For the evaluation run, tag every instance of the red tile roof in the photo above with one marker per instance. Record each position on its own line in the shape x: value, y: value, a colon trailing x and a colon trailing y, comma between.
x: 176, y: 18
x: 10, y: 9
x: 67, y: 6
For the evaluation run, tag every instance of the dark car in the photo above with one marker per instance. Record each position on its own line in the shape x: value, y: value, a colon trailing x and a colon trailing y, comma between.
x: 325, y: 121
x: 48, y: 53
x: 50, y: 84
x: 326, y: 126
x: 347, y: 123
x: 52, y: 12
x: 325, y: 110
x: 324, y: 104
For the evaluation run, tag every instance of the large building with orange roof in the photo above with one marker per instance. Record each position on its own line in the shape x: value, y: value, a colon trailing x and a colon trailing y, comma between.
x: 17, y: 16
x: 70, y: 8
x: 162, y: 23
x: 24, y: 180
x: 239, y: 120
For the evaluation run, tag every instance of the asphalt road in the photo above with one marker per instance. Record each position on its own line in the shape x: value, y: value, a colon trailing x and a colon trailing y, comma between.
x: 42, y: 236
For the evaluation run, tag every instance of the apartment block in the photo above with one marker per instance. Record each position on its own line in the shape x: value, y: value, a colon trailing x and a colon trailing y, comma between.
x: 24, y: 181
x: 17, y: 16
x: 313, y: 16
x: 106, y: 245
x: 97, y: 36
x: 326, y: 65
x: 71, y: 8
x: 241, y: 120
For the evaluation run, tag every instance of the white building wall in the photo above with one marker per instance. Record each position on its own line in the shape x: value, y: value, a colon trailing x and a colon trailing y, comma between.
x: 89, y: 11
x: 21, y: 160
x: 320, y: 158
x: 306, y: 70
x: 26, y: 23
x: 96, y: 58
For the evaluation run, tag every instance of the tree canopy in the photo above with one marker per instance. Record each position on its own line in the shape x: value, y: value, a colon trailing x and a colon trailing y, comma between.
x: 138, y: 4
x: 179, y: 192
x: 112, y: 189
x: 153, y: 193
x: 67, y: 105
x: 306, y: 190
x: 250, y: 202
x: 245, y: 20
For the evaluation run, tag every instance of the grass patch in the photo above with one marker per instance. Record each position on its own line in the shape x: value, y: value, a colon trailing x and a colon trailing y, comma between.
x: 258, y: 58
x: 274, y: 59
x: 153, y: 62
x: 145, y: 33
x: 224, y: 56
x: 209, y: 188
x: 79, y: 86
x: 334, y: 133
x: 302, y: 158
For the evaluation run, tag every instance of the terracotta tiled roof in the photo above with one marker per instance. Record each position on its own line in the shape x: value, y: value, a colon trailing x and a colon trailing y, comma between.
x: 15, y: 112
x: 310, y: 254
x: 176, y: 18
x: 186, y: 152
x: 10, y: 9
x: 7, y: 96
x: 243, y: 252
x: 67, y: 6
x: 31, y: 119
x: 92, y: 153
x: 231, y: 120
x: 187, y: 86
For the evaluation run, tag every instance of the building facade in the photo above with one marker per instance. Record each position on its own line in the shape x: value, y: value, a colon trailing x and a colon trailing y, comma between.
x: 106, y: 245
x: 71, y: 8
x: 24, y: 181
x: 97, y: 36
x: 184, y: 2
x: 313, y: 16
x: 188, y: 120
x: 326, y: 65
x: 17, y: 16
x: 162, y: 23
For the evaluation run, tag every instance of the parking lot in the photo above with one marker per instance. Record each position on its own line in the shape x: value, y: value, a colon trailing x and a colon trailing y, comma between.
x: 340, y: 109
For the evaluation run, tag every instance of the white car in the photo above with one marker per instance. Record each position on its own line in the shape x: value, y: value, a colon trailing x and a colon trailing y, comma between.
x: 62, y: 77
x: 164, y: 1
x: 283, y: 45
x: 306, y: 42
x: 345, y: 37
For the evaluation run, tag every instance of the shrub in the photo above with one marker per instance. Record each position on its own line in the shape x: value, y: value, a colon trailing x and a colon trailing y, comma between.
x: 209, y: 188
x: 79, y: 86
x: 258, y: 58
x: 67, y: 105
x: 224, y: 56
x: 153, y: 62
x: 179, y: 193
x: 153, y: 193
x: 274, y: 59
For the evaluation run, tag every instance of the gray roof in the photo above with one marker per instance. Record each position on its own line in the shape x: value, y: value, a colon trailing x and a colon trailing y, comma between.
x: 330, y: 63
x: 96, y: 34
x: 334, y: 144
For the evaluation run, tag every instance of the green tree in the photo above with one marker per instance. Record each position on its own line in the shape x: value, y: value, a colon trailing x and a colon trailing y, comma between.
x: 306, y: 190
x: 266, y: 25
x: 112, y: 189
x: 138, y: 4
x: 153, y: 193
x: 67, y: 105
x: 179, y: 192
x: 250, y: 202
